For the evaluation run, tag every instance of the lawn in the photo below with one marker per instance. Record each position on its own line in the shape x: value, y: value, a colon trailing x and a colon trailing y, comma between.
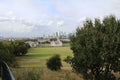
x: 33, y: 65
x: 37, y: 57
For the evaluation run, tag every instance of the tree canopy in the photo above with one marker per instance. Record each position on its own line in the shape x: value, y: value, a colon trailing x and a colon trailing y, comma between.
x: 6, y: 53
x: 96, y: 49
x: 20, y: 47
x: 10, y: 49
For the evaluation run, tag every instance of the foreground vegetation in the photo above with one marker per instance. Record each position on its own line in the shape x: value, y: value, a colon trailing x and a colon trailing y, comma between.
x: 44, y: 74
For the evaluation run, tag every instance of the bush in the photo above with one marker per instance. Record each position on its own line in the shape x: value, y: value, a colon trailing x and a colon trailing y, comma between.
x: 54, y: 63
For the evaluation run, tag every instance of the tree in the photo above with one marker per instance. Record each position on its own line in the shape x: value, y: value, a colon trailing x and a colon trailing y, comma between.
x: 6, y: 54
x: 20, y: 48
x: 96, y: 49
x: 54, y: 63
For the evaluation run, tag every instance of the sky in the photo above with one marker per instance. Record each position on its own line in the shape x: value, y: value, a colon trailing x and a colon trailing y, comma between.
x: 34, y: 18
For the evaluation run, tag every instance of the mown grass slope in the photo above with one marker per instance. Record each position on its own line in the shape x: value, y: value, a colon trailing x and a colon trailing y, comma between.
x: 37, y: 57
x: 33, y: 65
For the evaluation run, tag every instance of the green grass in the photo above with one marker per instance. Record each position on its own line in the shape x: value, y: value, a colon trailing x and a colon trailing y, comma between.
x: 33, y: 65
x: 37, y: 57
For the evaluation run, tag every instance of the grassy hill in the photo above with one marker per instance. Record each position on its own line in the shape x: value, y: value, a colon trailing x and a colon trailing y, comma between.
x: 37, y: 57
x: 33, y: 65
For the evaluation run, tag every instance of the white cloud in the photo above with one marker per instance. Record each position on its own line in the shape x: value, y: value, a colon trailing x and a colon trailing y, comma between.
x: 9, y: 13
x: 82, y: 19
x: 60, y: 23
x: 2, y: 19
x: 45, y: 23
x: 50, y: 23
x: 9, y: 19
x: 7, y: 27
x: 14, y: 25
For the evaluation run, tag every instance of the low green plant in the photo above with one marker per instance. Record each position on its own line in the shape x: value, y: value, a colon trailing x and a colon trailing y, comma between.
x: 54, y: 63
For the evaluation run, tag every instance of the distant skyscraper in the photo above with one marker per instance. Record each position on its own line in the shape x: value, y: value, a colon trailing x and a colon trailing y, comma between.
x: 57, y: 34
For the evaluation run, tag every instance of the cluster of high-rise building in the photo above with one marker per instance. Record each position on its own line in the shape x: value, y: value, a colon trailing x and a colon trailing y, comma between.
x: 60, y: 35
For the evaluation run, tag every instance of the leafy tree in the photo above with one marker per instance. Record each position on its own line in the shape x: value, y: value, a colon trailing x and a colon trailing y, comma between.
x: 6, y: 53
x: 96, y: 49
x: 20, y: 48
x: 54, y: 63
x: 10, y: 49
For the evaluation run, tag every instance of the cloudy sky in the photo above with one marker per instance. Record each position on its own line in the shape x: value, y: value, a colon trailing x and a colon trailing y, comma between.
x: 31, y: 18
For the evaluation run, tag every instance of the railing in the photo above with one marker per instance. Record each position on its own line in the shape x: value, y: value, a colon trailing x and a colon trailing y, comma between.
x: 6, y: 73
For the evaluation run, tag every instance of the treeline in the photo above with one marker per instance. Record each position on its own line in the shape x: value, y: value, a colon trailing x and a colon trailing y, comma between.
x: 10, y: 49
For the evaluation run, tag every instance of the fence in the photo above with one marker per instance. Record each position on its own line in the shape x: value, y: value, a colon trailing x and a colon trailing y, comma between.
x: 6, y: 73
